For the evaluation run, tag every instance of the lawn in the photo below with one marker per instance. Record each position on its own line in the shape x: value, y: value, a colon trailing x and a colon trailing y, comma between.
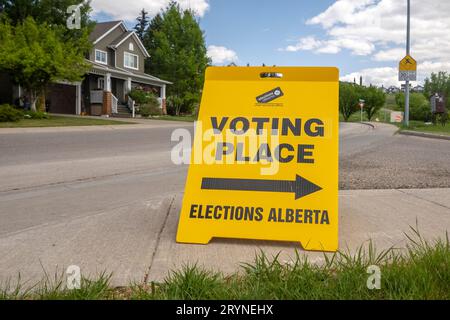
x: 60, y: 121
x: 422, y: 271
x: 176, y: 118
x: 420, y: 126
x: 382, y: 115
x: 390, y: 102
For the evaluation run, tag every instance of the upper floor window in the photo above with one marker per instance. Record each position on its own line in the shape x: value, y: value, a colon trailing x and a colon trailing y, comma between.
x: 101, y: 56
x: 131, y: 46
x: 131, y: 61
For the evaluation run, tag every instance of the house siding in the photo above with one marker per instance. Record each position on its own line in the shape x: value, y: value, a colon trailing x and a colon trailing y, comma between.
x: 124, y: 47
x: 104, y: 43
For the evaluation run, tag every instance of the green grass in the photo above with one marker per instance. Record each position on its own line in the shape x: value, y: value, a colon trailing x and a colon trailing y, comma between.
x: 390, y: 102
x: 381, y: 115
x: 176, y: 118
x: 420, y: 126
x: 422, y: 271
x: 59, y: 121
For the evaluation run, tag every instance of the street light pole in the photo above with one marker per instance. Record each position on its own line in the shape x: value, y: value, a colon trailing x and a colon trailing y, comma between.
x: 408, y: 25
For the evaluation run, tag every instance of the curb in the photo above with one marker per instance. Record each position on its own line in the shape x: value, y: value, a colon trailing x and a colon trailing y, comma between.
x: 368, y: 124
x: 424, y: 135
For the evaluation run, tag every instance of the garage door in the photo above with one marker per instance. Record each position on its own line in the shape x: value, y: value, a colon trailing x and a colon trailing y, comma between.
x: 61, y: 98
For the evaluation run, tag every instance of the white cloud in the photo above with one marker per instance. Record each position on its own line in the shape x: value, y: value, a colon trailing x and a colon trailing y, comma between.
x: 388, y: 76
x: 221, y: 55
x: 128, y: 10
x: 332, y: 46
x: 377, y: 28
x: 394, y: 54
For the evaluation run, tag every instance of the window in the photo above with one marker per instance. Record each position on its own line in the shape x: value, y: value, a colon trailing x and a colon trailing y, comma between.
x: 131, y: 61
x: 101, y: 83
x: 131, y: 46
x: 101, y: 57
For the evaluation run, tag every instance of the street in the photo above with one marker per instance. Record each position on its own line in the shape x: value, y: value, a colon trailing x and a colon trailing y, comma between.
x: 108, y: 199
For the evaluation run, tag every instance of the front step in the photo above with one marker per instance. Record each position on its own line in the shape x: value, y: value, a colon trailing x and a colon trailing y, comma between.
x: 122, y: 112
x: 123, y: 109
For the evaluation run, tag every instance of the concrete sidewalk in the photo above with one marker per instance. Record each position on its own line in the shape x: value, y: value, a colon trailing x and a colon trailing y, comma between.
x: 133, y: 124
x: 136, y: 242
x: 382, y: 216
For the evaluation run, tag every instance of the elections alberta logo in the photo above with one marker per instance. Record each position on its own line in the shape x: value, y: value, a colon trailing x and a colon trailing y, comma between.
x: 270, y: 95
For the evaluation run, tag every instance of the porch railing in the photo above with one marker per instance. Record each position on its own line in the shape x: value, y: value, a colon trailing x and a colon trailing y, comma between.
x: 132, y: 107
x: 97, y: 96
x: 114, y: 103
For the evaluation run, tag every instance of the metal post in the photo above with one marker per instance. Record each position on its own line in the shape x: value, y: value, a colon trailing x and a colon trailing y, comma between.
x: 408, y: 24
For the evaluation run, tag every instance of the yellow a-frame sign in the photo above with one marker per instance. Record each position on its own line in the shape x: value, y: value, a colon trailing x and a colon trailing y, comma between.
x: 265, y: 158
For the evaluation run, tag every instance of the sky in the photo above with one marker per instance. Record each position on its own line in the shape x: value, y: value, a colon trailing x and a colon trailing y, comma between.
x: 361, y: 37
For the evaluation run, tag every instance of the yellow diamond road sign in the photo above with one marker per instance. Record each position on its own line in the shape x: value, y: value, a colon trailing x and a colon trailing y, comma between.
x: 408, y: 64
x: 407, y: 69
x: 264, y: 162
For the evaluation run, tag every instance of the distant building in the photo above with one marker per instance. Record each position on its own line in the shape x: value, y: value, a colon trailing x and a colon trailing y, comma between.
x: 419, y: 89
x: 403, y: 87
x: 392, y: 89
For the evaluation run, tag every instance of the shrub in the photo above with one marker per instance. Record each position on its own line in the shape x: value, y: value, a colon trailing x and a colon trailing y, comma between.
x: 9, y: 114
x: 419, y: 106
x: 151, y: 107
x: 139, y: 96
x: 147, y: 110
x: 442, y: 119
x: 37, y: 115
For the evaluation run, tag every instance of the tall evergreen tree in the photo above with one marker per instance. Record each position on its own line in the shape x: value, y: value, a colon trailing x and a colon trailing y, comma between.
x: 177, y: 53
x: 141, y: 26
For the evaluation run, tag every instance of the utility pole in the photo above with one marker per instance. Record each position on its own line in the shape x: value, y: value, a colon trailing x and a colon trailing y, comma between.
x: 408, y: 25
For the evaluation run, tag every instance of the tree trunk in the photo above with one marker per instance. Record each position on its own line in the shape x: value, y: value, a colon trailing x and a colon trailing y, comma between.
x: 33, y: 99
x: 41, y: 102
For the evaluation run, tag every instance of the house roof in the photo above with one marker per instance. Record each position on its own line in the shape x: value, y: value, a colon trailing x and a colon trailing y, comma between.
x: 124, y: 74
x: 121, y: 38
x: 101, y: 28
x: 117, y: 42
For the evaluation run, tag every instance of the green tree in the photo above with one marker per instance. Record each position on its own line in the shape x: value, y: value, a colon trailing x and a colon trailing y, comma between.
x: 34, y: 55
x: 53, y: 13
x: 438, y: 83
x: 348, y: 99
x: 374, y: 99
x: 419, y: 106
x: 178, y: 53
x: 143, y: 22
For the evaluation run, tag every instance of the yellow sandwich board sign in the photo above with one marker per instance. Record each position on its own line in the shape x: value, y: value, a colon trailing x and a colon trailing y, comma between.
x: 407, y: 69
x: 264, y: 161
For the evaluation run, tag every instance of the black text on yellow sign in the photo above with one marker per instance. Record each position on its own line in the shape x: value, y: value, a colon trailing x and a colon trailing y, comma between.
x: 267, y: 140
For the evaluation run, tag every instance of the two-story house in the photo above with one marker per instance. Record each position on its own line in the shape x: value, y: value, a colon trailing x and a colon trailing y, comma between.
x: 117, y: 59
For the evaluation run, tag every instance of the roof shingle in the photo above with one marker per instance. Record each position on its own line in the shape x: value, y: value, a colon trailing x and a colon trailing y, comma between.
x: 101, y: 28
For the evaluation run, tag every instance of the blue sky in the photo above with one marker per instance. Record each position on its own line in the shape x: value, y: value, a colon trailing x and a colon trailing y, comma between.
x: 360, y: 37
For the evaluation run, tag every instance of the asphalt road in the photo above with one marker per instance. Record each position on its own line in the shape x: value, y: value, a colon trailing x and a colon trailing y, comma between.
x: 380, y: 159
x: 78, y: 196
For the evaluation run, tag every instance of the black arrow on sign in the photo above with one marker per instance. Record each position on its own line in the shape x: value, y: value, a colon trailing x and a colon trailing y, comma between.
x: 300, y: 186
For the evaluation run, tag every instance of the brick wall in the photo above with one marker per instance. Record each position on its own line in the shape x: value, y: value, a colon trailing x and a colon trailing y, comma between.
x: 107, y: 103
